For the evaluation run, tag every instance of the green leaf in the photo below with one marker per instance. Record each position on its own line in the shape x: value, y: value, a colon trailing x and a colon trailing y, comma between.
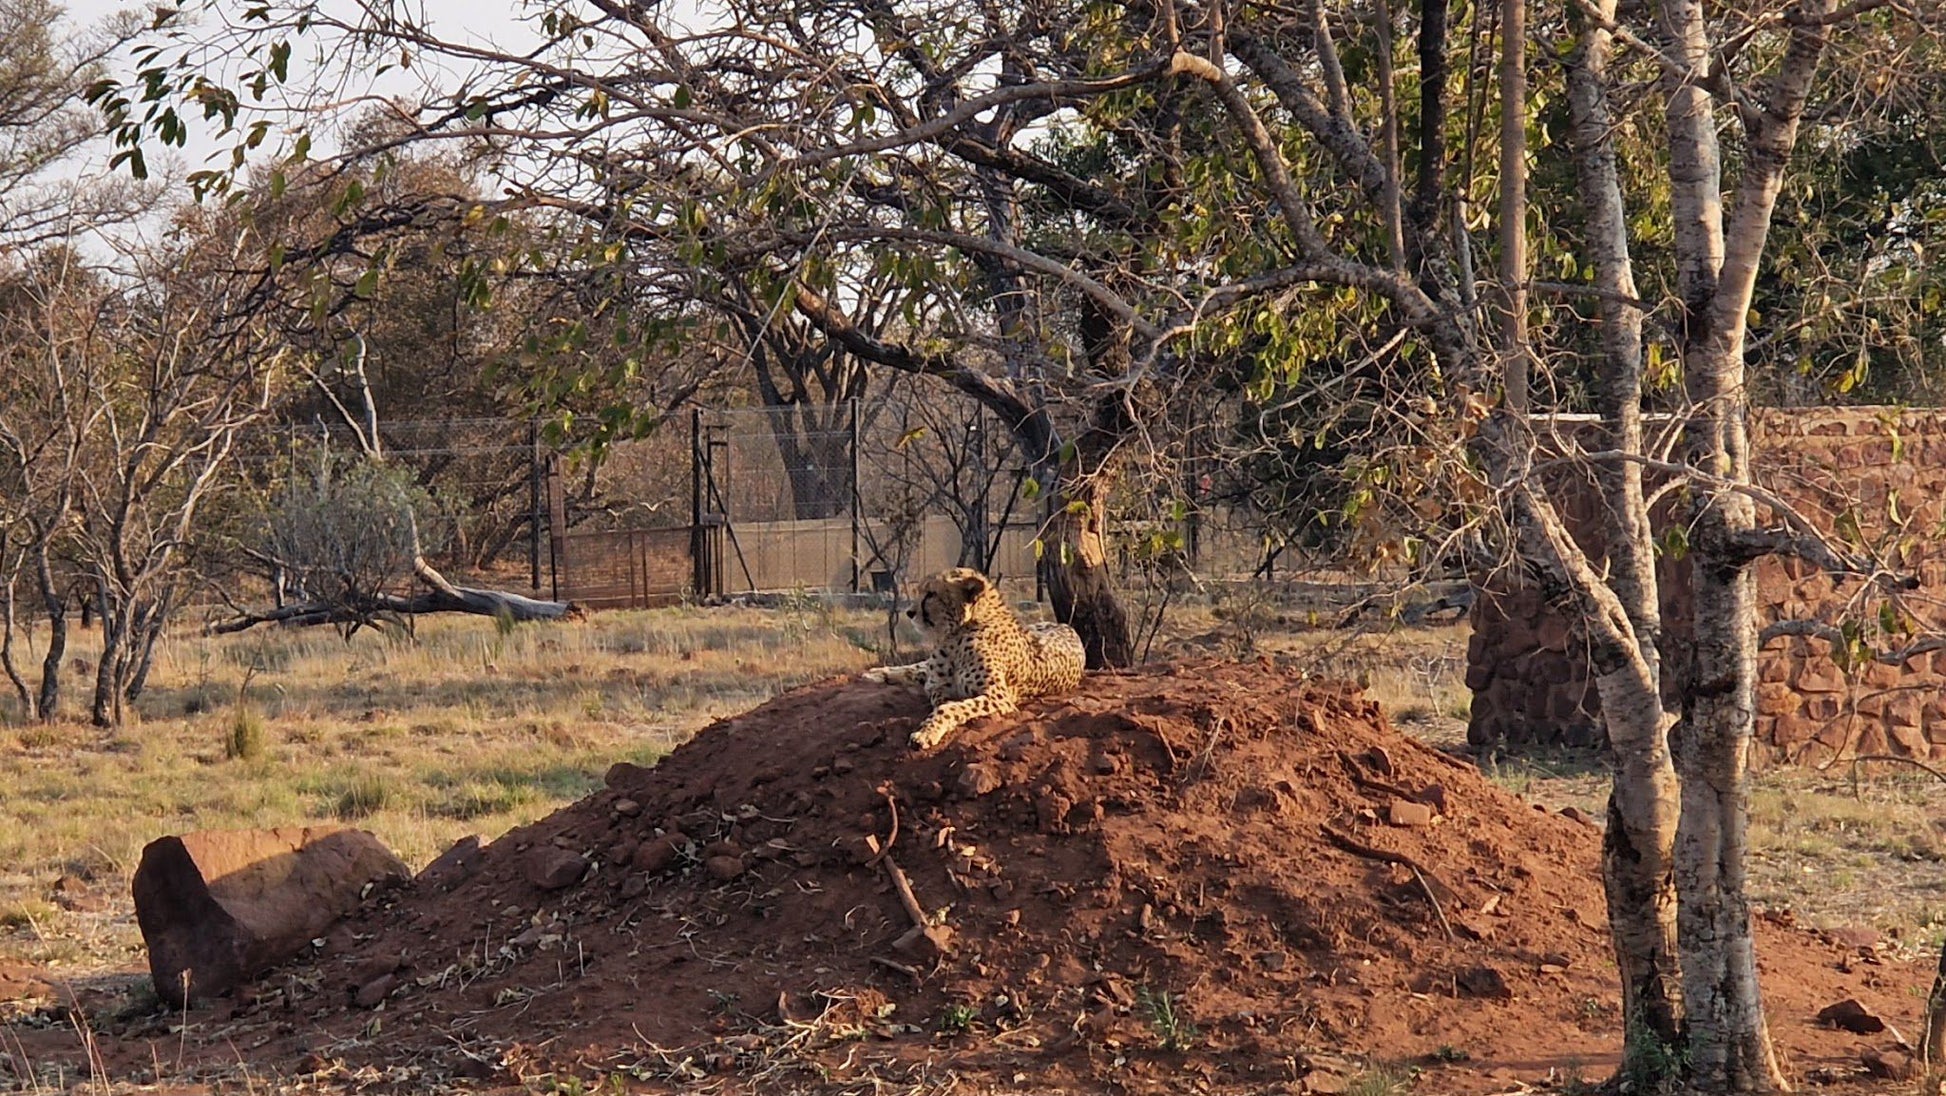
x: 137, y: 166
x: 354, y: 194
x: 1847, y: 527
x: 1674, y: 543
x: 1890, y: 620
x: 367, y: 283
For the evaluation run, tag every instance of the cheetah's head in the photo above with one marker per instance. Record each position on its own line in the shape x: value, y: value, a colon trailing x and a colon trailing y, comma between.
x: 946, y: 600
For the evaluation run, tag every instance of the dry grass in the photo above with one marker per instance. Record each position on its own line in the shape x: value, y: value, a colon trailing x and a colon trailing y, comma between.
x: 468, y: 729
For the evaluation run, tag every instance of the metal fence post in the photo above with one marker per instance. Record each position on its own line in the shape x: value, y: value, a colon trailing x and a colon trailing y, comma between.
x: 855, y: 493
x: 534, y: 512
x: 557, y: 527
x: 698, y: 540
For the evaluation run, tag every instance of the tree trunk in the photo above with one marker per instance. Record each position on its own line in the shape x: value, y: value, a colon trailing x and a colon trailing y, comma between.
x: 1638, y: 848
x: 1932, y: 1047
x: 106, y: 710
x: 142, y: 650
x: 1638, y: 873
x: 57, y: 637
x: 1513, y: 201
x: 1074, y: 564
x: 1729, y: 1044
x: 817, y: 462
x: 9, y: 627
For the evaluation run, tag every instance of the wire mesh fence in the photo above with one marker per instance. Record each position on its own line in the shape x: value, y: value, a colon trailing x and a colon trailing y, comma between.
x: 854, y: 496
x: 485, y: 478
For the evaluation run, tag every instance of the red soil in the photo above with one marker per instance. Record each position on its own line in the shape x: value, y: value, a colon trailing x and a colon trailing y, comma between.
x: 1215, y: 842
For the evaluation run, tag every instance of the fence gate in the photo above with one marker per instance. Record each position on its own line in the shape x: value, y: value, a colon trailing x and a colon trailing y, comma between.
x: 615, y: 569
x: 627, y: 569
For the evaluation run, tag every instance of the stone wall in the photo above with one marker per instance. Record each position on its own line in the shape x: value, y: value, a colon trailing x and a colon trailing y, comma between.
x: 1883, y: 469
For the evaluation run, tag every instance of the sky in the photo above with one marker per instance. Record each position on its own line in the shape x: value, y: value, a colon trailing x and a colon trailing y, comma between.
x: 494, y: 22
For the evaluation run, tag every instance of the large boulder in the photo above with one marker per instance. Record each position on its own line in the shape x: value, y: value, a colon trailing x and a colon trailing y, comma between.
x: 218, y: 907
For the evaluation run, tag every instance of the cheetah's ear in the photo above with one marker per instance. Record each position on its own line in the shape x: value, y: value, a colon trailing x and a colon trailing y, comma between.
x: 973, y: 585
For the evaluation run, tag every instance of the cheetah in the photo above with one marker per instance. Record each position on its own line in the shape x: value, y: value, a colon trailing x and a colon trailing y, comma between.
x: 985, y: 661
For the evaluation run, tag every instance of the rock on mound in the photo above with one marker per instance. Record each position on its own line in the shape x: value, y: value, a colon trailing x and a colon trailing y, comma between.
x: 1222, y: 868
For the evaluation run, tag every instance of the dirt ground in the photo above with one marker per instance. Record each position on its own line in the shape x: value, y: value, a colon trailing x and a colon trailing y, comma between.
x: 1212, y: 877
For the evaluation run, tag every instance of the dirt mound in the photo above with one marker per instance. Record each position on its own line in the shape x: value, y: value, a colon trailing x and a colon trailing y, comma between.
x: 1221, y: 876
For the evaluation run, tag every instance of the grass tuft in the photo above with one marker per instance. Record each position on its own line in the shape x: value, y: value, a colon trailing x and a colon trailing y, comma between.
x: 246, y: 740
x: 363, y: 797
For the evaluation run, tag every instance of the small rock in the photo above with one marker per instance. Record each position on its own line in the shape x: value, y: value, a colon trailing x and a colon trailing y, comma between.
x: 722, y: 848
x: 657, y: 853
x: 1051, y: 811
x: 1892, y: 1065
x: 551, y: 868
x: 1864, y: 939
x: 1273, y: 960
x: 843, y: 765
x: 621, y: 772
x: 1576, y: 814
x: 978, y: 780
x: 1404, y: 812
x: 1850, y: 1015
x: 1016, y: 747
x: 529, y: 938
x: 725, y: 868
x: 1435, y: 796
x: 371, y: 970
x: 623, y: 851
x: 928, y: 944
x: 635, y: 886
x: 627, y: 808
x: 1483, y: 981
x: 375, y: 991
x: 1107, y: 765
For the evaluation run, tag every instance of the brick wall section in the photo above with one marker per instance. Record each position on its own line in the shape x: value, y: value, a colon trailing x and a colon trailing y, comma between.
x: 1888, y: 467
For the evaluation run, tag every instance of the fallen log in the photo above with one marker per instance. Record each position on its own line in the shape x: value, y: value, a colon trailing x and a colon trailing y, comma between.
x: 440, y: 596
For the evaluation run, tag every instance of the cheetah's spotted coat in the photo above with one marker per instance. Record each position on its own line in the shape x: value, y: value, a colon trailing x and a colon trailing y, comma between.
x: 985, y: 661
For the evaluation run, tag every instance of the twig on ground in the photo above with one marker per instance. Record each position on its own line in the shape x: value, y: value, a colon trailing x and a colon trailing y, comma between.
x: 891, y: 804
x: 1444, y: 925
x: 1419, y: 872
x: 893, y: 964
x: 906, y: 898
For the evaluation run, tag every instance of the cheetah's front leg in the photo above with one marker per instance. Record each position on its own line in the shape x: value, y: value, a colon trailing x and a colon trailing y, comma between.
x: 954, y: 714
x: 913, y: 674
